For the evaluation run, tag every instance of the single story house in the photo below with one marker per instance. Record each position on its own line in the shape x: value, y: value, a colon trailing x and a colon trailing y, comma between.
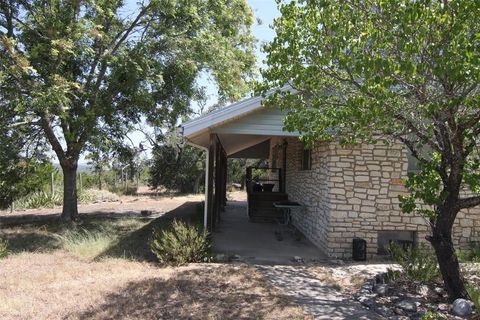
x: 347, y: 192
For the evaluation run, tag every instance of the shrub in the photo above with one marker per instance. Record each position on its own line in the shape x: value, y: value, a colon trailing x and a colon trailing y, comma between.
x: 472, y: 254
x: 181, y: 244
x: 418, y: 263
x: 393, y: 275
x: 474, y: 294
x: 85, y: 243
x: 3, y: 248
x: 40, y: 199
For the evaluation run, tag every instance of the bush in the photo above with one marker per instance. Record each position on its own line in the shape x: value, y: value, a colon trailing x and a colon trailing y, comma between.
x: 181, y: 244
x: 40, y: 199
x: 472, y: 254
x: 474, y: 294
x: 417, y: 263
x: 3, y: 248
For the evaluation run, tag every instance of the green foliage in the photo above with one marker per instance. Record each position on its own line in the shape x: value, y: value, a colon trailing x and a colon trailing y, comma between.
x: 472, y: 254
x: 21, y: 178
x: 474, y: 294
x: 236, y: 171
x: 430, y: 315
x: 418, y: 263
x: 40, y: 199
x: 381, y: 71
x: 181, y: 244
x: 3, y: 248
x: 425, y: 186
x: 88, y: 72
x: 86, y: 197
x: 393, y: 275
x: 177, y: 166
x: 44, y: 199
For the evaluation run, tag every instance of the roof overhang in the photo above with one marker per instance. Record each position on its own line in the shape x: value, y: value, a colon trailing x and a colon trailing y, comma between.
x: 198, y: 125
x: 240, y: 126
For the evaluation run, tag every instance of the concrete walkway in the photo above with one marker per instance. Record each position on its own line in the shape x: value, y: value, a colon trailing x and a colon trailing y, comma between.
x: 259, y: 243
x: 318, y: 299
x: 271, y: 249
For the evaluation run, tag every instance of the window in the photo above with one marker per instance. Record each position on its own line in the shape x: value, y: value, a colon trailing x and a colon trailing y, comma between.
x: 412, y: 163
x: 403, y: 238
x: 306, y: 159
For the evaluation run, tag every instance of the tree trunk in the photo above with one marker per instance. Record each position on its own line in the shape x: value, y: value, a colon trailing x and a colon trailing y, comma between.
x: 70, y: 210
x: 100, y: 184
x: 442, y: 243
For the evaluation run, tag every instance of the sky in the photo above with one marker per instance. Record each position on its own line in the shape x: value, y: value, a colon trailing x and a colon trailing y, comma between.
x: 265, y: 11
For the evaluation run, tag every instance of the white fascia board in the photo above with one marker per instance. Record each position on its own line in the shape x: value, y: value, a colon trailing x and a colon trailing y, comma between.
x: 198, y: 125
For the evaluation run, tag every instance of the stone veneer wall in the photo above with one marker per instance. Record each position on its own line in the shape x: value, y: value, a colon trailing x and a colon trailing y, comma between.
x: 353, y: 192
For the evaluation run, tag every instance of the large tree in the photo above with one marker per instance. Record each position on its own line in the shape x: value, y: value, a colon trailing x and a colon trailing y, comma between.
x: 364, y: 70
x: 77, y: 65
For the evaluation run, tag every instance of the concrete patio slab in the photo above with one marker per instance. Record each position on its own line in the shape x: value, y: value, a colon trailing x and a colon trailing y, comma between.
x: 260, y: 243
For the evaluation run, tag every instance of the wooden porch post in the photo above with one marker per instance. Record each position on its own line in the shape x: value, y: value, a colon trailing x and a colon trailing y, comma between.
x: 209, y: 184
x: 225, y: 173
x: 284, y: 169
x: 218, y: 181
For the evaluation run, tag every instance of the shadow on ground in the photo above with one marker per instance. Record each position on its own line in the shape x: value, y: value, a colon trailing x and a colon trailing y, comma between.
x: 43, y: 233
x: 206, y: 293
x: 136, y: 244
x: 318, y: 298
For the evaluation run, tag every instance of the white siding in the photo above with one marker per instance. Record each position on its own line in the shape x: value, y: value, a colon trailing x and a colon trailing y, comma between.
x: 266, y: 121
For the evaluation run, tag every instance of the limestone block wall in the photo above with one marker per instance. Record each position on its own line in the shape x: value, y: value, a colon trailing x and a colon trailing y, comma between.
x: 365, y: 183
x: 311, y: 188
x: 353, y: 192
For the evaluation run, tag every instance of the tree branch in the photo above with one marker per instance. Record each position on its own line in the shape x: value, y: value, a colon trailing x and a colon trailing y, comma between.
x: 469, y: 202
x: 52, y: 138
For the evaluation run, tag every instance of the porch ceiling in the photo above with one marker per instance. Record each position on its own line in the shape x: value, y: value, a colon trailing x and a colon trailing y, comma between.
x: 240, y: 126
x: 233, y: 144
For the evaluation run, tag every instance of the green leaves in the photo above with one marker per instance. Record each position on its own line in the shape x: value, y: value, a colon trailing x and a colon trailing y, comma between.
x: 88, y: 64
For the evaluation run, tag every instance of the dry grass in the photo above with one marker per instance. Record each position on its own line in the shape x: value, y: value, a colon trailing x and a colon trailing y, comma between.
x: 96, y: 236
x: 80, y: 272
x: 88, y: 244
x: 58, y: 286
x: 348, y: 278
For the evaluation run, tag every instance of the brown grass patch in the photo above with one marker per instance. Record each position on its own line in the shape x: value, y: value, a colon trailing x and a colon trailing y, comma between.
x: 348, y: 278
x: 58, y: 286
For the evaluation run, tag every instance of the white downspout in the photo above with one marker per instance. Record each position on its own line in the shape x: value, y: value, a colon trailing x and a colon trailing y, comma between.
x: 205, y: 211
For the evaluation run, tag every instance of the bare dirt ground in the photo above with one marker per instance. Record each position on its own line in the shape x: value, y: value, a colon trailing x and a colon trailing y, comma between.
x: 127, y: 205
